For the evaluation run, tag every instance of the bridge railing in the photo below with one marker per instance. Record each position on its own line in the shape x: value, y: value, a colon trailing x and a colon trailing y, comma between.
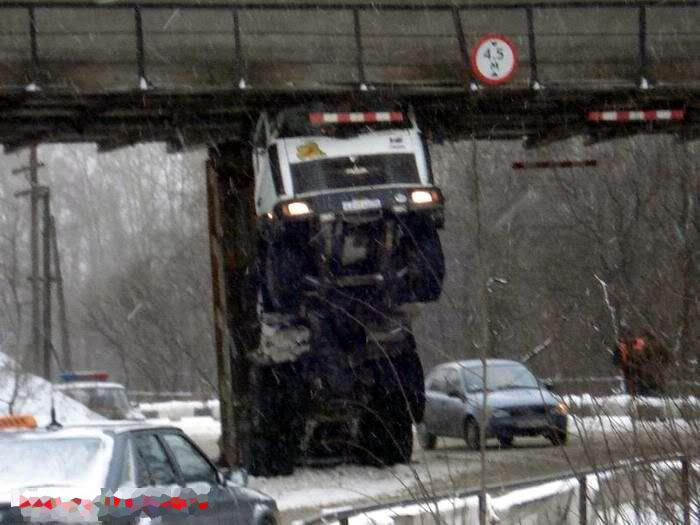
x: 584, y: 509
x: 125, y: 45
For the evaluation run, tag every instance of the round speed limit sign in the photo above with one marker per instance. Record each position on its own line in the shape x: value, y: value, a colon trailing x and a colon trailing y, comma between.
x: 494, y: 59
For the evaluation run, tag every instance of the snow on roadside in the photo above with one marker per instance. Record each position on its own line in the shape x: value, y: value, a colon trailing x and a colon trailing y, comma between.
x: 353, y: 484
x: 626, y: 515
x: 621, y: 404
x: 34, y: 398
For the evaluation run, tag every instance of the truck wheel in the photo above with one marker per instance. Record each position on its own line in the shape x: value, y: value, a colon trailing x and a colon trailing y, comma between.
x: 385, y: 434
x: 264, y: 298
x: 430, y: 262
x: 410, y: 370
x: 278, y: 422
x: 283, y: 276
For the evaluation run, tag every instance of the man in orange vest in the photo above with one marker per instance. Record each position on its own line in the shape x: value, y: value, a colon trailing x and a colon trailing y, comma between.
x: 654, y: 362
x: 643, y: 362
x: 622, y: 359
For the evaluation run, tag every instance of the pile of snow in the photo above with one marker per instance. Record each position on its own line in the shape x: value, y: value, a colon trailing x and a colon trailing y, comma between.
x: 586, y: 405
x: 33, y: 397
x: 626, y: 514
x: 545, y: 502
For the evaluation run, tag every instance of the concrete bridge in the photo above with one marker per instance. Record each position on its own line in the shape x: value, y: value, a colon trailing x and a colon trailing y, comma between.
x: 119, y: 72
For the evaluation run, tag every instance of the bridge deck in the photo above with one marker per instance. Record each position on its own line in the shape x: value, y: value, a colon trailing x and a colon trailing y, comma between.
x: 138, y: 70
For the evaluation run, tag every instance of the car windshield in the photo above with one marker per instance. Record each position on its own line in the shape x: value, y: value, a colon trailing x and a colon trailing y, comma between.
x: 348, y: 172
x: 109, y: 402
x: 499, y: 377
x: 26, y: 463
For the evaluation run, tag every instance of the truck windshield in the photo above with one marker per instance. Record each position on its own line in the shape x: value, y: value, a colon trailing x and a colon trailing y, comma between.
x: 348, y: 172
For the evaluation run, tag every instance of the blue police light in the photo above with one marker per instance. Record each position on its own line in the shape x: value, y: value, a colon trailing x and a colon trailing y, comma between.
x: 68, y: 377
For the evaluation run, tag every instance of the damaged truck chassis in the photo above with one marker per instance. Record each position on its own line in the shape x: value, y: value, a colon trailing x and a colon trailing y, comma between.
x: 337, y: 374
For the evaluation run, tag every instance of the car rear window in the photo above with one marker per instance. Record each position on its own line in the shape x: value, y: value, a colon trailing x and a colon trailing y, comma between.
x: 349, y: 172
x: 26, y: 463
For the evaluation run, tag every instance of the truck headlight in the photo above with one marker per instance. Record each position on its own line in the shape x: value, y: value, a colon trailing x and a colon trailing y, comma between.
x: 424, y: 196
x: 296, y: 209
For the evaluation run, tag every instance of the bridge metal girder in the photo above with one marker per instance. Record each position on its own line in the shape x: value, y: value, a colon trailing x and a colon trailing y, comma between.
x: 185, y: 120
x: 191, y: 73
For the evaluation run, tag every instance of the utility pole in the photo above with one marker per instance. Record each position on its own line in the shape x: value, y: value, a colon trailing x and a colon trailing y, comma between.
x: 62, y: 314
x: 482, y: 295
x: 46, y: 258
x: 32, y: 171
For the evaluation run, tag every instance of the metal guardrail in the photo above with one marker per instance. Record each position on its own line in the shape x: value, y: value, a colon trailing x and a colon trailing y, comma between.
x: 342, y: 516
x: 238, y: 48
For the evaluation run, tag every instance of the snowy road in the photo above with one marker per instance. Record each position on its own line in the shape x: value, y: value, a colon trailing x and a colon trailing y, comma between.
x: 450, y: 465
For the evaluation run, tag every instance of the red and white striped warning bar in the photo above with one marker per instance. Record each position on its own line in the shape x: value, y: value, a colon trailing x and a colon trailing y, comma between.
x: 636, y: 116
x: 349, y: 118
x: 555, y: 164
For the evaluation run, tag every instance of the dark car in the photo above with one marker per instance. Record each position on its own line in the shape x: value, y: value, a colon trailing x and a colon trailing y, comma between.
x: 125, y: 473
x: 517, y: 404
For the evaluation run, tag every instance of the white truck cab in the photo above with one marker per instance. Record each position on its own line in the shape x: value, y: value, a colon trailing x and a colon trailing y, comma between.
x: 328, y: 186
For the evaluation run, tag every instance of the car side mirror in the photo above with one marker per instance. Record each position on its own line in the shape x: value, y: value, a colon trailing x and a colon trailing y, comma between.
x: 237, y: 477
x: 454, y: 393
x: 548, y: 384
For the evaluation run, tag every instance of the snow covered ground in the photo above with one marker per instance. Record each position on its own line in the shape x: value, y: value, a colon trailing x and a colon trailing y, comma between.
x: 550, y: 502
x: 626, y: 515
x: 624, y: 405
x: 34, y: 397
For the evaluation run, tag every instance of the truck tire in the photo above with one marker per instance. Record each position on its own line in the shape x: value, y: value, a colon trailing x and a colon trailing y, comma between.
x: 385, y: 434
x: 410, y: 370
x: 404, y: 374
x: 283, y: 276
x: 430, y: 262
x: 398, y: 401
x: 278, y: 422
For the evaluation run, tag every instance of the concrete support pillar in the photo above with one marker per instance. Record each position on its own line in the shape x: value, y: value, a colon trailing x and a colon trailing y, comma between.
x: 233, y: 241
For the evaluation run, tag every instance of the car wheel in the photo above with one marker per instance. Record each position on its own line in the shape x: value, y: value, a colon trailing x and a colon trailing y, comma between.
x: 558, y: 437
x: 505, y: 441
x: 471, y: 434
x: 426, y: 440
